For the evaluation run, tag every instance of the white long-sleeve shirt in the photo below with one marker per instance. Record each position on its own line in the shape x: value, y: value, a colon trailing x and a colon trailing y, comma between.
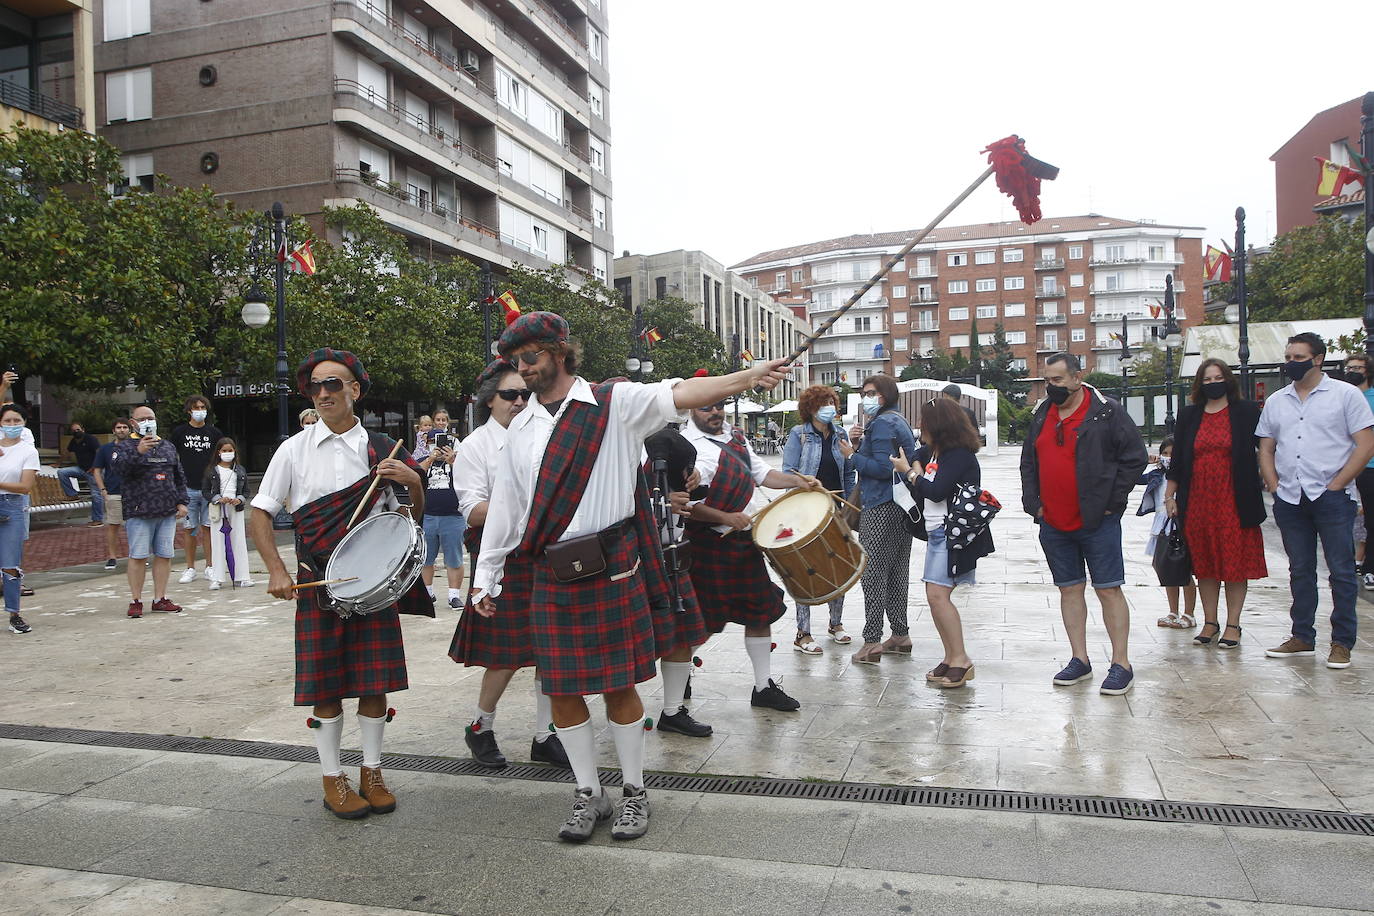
x: 316, y: 462
x: 475, y: 464
x: 708, y: 461
x: 637, y: 411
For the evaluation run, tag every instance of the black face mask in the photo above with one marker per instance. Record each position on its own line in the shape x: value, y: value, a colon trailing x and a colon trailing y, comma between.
x: 1355, y: 378
x: 1057, y: 394
x: 78, y: 433
x: 1297, y: 369
x: 1214, y: 390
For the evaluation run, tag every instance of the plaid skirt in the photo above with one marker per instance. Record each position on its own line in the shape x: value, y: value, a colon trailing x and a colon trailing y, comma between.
x: 673, y: 631
x: 503, y: 640
x: 336, y: 658
x: 731, y: 581
x: 593, y: 635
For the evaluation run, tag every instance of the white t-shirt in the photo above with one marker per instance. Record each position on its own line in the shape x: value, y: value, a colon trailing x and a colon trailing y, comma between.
x: 228, y: 482
x: 934, y: 512
x: 20, y: 456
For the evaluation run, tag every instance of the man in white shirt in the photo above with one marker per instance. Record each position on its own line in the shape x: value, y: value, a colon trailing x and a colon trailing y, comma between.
x: 321, y: 473
x: 502, y: 643
x: 566, y: 497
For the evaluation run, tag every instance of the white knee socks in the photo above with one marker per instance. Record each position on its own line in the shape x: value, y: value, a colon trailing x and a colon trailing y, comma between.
x: 327, y: 738
x: 675, y: 675
x: 579, y: 741
x: 760, y: 648
x: 629, y: 747
x: 488, y: 719
x: 543, y: 713
x: 372, y: 730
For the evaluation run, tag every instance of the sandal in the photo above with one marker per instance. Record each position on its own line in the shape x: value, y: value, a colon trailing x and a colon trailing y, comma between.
x: 955, y: 677
x: 1202, y: 639
x: 870, y: 654
x: 806, y: 645
x: 838, y: 635
x: 891, y: 644
x: 934, y: 674
x: 1186, y: 622
x: 1230, y: 643
x: 1171, y: 621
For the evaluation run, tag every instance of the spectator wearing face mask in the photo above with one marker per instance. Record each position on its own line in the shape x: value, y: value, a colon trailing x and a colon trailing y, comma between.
x: 1357, y: 373
x: 1153, y: 502
x: 107, y: 481
x: 81, y: 449
x: 154, y: 491
x: 195, y: 444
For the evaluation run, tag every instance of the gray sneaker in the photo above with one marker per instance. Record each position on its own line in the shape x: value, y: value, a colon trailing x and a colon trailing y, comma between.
x: 588, y: 810
x: 633, y: 821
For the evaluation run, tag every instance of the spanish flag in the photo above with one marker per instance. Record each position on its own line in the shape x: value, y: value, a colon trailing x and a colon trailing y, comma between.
x: 745, y: 356
x: 652, y: 335
x: 1216, y: 265
x: 511, y: 307
x: 303, y: 259
x: 1332, y: 178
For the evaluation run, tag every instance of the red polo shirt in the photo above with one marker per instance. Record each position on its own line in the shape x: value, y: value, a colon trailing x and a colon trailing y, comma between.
x: 1058, y: 470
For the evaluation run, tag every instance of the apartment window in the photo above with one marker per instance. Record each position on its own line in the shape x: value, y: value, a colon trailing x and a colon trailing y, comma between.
x: 985, y: 257
x: 594, y: 43
x: 864, y: 323
x: 1051, y: 340
x: 1115, y: 281
x: 796, y: 276
x: 899, y: 344
x: 825, y: 299
x: 1047, y: 254
x: 1013, y: 255
x: 600, y: 260
x: 900, y: 265
x: 958, y: 314
x: 1013, y: 282
x: 753, y: 282
x: 1156, y: 252
x: 660, y: 287
x: 958, y: 286
x: 958, y: 259
x: 1014, y: 310
x: 1049, y: 285
x: 958, y: 340
x: 532, y: 170
x: 1078, y: 334
x: 596, y: 98
x: 988, y: 339
x: 1075, y: 279
x: 922, y: 267
x: 373, y: 161
x: 927, y: 320
x: 598, y: 210
x: 510, y: 91
x: 129, y: 95
x: 1016, y: 337
x: 1075, y: 252
x: 1076, y: 308
x: 126, y: 18
x: 899, y: 317
x: 986, y: 311
x: 899, y: 292
x: 926, y: 344
x: 1114, y: 252
x: 597, y: 151
x: 529, y: 233
x: 1018, y: 365
x: 1050, y: 308
x: 925, y: 292
x: 780, y: 280
x: 987, y: 285
x: 138, y: 170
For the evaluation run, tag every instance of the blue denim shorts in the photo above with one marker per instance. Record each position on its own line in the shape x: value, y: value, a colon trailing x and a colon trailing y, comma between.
x: 1098, y: 548
x: 197, y: 510
x: 444, y: 531
x: 155, y: 535
x: 937, y: 562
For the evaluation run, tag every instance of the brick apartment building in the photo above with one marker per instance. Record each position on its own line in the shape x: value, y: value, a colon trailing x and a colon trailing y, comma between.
x: 477, y: 128
x: 1065, y: 283
x: 1330, y: 134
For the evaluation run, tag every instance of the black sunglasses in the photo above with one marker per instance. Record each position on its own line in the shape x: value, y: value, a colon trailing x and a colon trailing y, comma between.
x: 510, y: 394
x: 1059, y: 432
x: 530, y: 357
x: 712, y: 408
x: 333, y: 384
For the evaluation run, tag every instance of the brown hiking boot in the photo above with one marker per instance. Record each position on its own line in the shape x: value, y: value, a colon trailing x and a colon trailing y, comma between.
x: 341, y: 800
x: 1292, y: 648
x: 1339, y: 657
x: 378, y: 796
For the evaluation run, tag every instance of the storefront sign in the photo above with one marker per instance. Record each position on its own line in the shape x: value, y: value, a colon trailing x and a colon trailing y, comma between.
x: 233, y: 386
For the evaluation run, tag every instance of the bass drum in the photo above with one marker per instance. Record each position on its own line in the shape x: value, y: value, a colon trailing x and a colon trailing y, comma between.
x: 385, y: 553
x: 805, y: 540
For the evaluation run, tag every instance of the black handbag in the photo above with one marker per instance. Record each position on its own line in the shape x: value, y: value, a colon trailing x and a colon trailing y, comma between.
x: 1172, y: 561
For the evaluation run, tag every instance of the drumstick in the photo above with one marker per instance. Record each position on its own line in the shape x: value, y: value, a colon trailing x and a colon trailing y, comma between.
x: 371, y: 487
x: 841, y: 499
x: 324, y: 582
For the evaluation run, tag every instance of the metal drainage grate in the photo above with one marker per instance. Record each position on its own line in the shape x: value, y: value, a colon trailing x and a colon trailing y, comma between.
x: 979, y: 799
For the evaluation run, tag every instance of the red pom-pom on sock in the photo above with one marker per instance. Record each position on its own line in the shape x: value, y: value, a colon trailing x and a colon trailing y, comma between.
x: 312, y: 722
x: 390, y: 713
x: 772, y: 646
x: 648, y: 725
x: 696, y: 660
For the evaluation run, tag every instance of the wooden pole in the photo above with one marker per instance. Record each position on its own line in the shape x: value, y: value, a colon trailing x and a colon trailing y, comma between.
x: 376, y: 478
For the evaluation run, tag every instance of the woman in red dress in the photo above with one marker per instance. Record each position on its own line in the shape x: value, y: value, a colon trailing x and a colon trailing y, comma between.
x: 1214, y: 489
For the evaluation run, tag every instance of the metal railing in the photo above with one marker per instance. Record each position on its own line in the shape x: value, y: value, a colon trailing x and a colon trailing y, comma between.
x: 1135, y: 288
x: 1051, y: 319
x: 409, y: 118
x: 1049, y: 264
x: 1043, y: 293
x: 927, y: 326
x: 1115, y: 262
x: 422, y: 201
x: 26, y: 99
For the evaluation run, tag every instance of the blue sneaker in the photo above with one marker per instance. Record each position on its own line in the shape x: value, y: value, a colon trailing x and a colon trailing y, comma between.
x: 1118, y: 681
x: 1076, y: 670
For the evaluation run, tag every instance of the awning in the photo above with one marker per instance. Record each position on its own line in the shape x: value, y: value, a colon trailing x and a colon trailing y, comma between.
x: 783, y: 407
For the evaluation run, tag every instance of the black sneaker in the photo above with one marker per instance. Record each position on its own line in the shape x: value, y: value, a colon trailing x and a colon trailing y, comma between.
x: 111, y: 564
x: 483, y: 746
x: 550, y: 750
x: 682, y: 723
x: 17, y: 625
x: 772, y: 697
x: 456, y: 603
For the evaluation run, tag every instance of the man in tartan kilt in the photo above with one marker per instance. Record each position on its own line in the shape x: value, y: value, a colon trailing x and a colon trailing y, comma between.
x: 322, y: 472
x: 501, y: 644
x: 571, y: 473
x: 728, y: 571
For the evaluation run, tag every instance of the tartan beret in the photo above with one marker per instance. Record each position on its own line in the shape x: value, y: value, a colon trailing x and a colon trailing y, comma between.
x: 329, y: 354
x: 494, y: 368
x: 535, y: 327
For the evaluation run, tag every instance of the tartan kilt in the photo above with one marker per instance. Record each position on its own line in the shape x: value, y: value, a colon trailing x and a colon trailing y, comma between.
x: 336, y: 658
x: 731, y: 581
x: 501, y: 641
x: 593, y: 635
x: 673, y: 631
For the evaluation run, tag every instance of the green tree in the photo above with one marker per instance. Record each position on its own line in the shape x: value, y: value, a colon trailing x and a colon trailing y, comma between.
x: 593, y: 311
x: 998, y: 372
x: 686, y: 345
x: 941, y: 364
x: 1310, y: 272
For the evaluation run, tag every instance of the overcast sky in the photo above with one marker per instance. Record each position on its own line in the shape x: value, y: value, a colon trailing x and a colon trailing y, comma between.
x: 747, y: 125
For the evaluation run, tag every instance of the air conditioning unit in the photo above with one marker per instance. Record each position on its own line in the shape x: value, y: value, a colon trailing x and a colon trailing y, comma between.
x: 468, y: 59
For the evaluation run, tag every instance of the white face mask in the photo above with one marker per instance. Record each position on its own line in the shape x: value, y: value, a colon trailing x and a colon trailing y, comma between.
x: 147, y: 427
x: 871, y: 405
x: 227, y: 456
x: 1164, y: 461
x: 198, y: 416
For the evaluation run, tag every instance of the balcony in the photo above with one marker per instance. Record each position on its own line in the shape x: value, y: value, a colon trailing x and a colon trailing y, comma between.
x: 1051, y: 319
x: 1110, y: 315
x: 1048, y: 346
x: 1135, y: 288
x: 922, y: 272
x: 390, y: 194
x: 932, y: 299
x: 37, y: 103
x: 1050, y: 264
x: 928, y: 327
x: 829, y: 356
x: 1119, y: 262
x: 1057, y: 292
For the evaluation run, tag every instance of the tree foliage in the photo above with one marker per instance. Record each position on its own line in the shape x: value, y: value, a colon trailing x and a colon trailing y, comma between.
x: 686, y: 345
x: 1310, y: 272
x: 593, y: 311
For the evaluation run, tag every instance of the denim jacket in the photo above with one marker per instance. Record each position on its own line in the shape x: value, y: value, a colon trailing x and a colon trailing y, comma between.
x: 802, y: 454
x: 885, y: 433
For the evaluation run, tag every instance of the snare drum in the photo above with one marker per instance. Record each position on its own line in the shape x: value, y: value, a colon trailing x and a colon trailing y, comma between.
x: 385, y: 552
x: 804, y: 538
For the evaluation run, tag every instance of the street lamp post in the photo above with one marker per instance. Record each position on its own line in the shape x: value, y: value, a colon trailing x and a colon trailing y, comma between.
x: 488, y: 302
x: 638, y: 364
x: 736, y: 363
x: 255, y: 313
x: 1125, y: 358
x: 1172, y: 339
x: 1243, y: 351
x: 1367, y: 154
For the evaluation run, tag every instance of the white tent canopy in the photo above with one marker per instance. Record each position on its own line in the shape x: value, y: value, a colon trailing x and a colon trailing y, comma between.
x: 1267, y: 341
x: 782, y: 407
x: 745, y: 406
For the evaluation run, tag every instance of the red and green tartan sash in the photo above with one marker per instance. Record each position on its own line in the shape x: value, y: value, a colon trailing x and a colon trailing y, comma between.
x: 733, y: 484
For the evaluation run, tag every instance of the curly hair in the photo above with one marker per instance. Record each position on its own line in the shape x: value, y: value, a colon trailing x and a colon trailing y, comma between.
x: 945, y: 426
x: 813, y: 399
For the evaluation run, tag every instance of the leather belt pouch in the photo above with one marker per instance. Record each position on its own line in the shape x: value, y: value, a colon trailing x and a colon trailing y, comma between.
x: 577, y: 558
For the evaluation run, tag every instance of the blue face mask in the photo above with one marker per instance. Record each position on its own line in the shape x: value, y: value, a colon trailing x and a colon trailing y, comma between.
x: 11, y: 432
x: 871, y: 405
x: 826, y: 414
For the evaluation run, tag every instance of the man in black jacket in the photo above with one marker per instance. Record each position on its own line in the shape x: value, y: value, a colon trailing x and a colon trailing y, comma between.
x: 1082, y: 457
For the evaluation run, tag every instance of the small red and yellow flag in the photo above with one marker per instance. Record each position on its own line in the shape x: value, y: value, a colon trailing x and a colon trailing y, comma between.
x: 652, y: 335
x: 303, y: 260
x: 511, y: 307
x: 1216, y: 265
x: 746, y: 356
x: 1332, y: 178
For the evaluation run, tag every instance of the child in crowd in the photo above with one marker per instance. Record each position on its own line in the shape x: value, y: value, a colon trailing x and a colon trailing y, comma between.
x: 1152, y: 501
x: 225, y: 487
x: 422, y: 428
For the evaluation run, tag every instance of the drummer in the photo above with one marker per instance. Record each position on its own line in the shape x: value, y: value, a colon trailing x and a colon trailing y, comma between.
x: 728, y: 571
x: 322, y: 472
